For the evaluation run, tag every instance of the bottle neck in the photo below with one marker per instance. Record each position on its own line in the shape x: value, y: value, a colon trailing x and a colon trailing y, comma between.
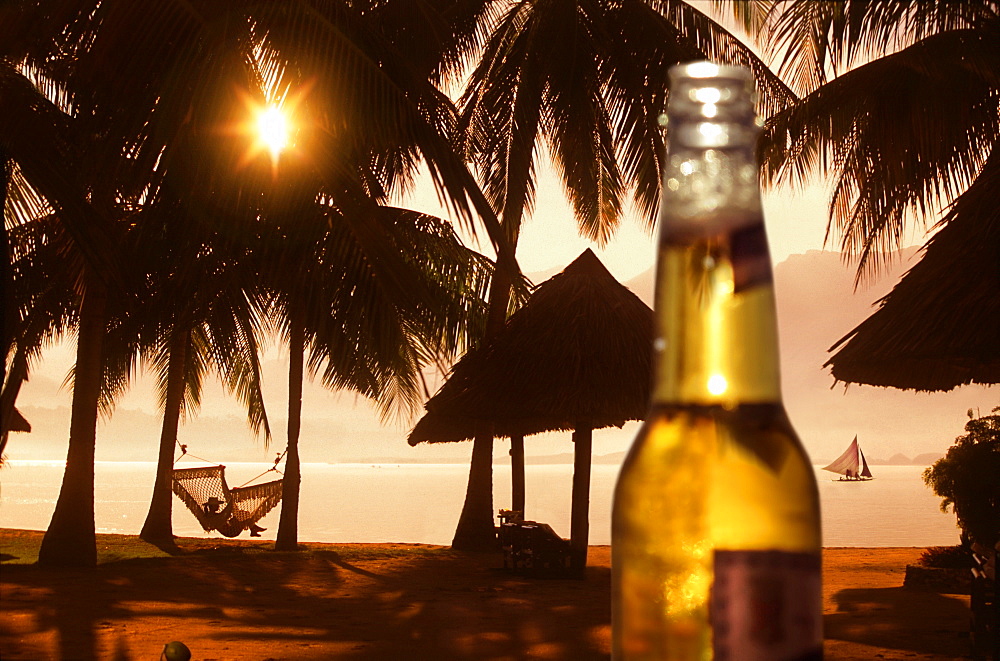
x: 716, y: 332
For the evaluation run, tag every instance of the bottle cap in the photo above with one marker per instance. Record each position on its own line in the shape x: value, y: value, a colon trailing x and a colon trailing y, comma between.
x: 711, y: 106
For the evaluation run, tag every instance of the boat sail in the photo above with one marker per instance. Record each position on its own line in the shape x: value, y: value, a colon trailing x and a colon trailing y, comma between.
x: 851, y: 466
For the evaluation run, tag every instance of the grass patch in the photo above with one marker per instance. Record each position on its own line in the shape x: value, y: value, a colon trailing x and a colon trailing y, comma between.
x: 20, y: 547
x: 383, y: 551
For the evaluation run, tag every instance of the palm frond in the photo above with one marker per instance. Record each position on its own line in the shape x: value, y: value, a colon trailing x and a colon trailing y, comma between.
x: 821, y: 38
x: 902, y: 136
x: 231, y: 338
x: 364, y: 101
x: 636, y: 75
x: 720, y: 45
x: 40, y: 138
x: 937, y: 329
x: 41, y: 297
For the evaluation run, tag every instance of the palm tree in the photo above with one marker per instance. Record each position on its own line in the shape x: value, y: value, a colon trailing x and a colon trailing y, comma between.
x: 412, y: 273
x: 179, y: 77
x: 197, y: 308
x: 84, y: 236
x: 370, y: 316
x: 899, y: 107
x: 40, y: 304
x: 584, y: 82
x: 39, y: 179
x: 95, y: 272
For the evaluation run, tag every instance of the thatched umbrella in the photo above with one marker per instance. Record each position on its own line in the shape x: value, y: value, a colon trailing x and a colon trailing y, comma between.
x: 940, y: 325
x: 15, y: 422
x: 18, y: 422
x: 577, y: 356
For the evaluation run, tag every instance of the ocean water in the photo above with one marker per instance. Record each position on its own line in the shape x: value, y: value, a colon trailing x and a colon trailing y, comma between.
x: 421, y: 502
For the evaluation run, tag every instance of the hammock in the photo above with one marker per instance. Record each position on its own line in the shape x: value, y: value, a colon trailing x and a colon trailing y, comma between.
x: 217, y: 507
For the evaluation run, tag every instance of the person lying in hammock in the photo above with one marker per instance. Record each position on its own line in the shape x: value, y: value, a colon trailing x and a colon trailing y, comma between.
x: 214, y: 507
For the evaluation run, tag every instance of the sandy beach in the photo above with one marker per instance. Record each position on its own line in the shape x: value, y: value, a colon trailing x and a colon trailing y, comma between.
x: 239, y: 600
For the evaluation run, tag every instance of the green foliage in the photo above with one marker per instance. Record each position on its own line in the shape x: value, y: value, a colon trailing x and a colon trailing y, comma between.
x: 968, y: 478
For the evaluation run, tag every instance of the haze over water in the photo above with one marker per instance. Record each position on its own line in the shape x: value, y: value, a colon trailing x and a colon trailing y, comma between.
x: 817, y: 305
x: 420, y: 503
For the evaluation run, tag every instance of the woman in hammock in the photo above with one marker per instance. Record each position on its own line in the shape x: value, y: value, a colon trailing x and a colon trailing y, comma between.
x: 214, y: 508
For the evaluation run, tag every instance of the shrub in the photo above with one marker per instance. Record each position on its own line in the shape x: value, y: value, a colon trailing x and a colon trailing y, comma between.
x: 968, y: 479
x: 947, y: 557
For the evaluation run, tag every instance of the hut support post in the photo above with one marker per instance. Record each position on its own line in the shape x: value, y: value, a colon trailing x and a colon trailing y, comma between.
x: 517, y: 473
x: 579, y: 517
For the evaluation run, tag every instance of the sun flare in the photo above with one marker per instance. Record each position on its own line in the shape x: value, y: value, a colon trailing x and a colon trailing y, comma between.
x: 273, y: 130
x: 273, y: 126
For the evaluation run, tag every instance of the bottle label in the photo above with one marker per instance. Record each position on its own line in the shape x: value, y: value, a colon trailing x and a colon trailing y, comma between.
x: 765, y: 606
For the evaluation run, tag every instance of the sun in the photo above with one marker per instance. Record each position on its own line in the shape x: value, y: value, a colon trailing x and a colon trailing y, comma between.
x: 273, y: 130
x: 272, y: 122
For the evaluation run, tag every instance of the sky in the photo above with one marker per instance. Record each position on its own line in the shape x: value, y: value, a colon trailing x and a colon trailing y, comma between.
x: 796, y: 222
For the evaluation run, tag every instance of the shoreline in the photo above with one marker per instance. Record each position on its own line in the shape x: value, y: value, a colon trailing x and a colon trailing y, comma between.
x: 237, y: 599
x: 358, y: 503
x: 269, y: 541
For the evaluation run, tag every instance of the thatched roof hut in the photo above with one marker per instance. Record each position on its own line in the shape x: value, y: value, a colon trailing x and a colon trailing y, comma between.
x: 578, y: 353
x: 940, y: 325
x: 577, y: 356
x: 14, y: 422
x: 18, y: 422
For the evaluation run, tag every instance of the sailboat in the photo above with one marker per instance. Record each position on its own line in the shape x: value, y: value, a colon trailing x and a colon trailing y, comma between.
x: 851, y: 466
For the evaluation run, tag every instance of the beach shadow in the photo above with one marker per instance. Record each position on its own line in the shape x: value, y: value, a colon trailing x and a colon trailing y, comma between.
x: 900, y: 618
x: 486, y: 615
x: 448, y: 606
x: 335, y: 559
x: 91, y: 611
x: 170, y: 548
x: 312, y: 605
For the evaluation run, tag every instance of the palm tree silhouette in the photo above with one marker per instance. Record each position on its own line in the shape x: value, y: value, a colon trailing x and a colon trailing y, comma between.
x: 906, y: 126
x: 370, y: 317
x: 583, y: 82
x: 909, y: 134
x: 199, y: 307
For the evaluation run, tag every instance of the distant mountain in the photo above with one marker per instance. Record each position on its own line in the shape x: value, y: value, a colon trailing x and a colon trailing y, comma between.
x: 818, y: 304
x: 926, y: 459
x: 899, y: 459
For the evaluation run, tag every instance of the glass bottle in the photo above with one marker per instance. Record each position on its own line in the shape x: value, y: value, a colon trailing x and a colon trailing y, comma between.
x: 715, y: 531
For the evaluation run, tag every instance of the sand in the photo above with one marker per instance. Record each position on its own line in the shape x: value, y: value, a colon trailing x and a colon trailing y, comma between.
x: 240, y: 600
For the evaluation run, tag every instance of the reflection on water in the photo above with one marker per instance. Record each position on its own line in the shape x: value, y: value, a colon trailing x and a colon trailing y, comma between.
x: 422, y: 502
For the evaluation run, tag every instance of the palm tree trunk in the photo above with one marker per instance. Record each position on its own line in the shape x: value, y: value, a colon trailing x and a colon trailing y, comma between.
x: 158, y: 527
x: 288, y: 524
x: 71, y: 539
x: 6, y: 300
x: 517, y: 474
x: 580, y: 513
x: 475, y: 530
